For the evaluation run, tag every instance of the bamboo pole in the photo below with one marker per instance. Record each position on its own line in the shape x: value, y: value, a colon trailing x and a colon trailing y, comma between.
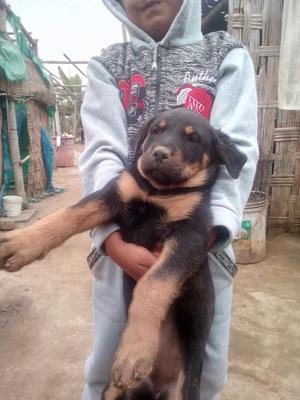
x: 75, y: 111
x: 57, y: 128
x: 14, y: 149
x: 64, y: 62
x: 74, y: 64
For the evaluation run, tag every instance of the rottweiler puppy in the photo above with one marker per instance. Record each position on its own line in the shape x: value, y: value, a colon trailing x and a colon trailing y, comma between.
x: 162, y: 198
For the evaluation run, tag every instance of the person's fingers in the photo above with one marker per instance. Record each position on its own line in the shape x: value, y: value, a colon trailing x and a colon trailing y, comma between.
x: 156, y: 254
x: 147, y: 258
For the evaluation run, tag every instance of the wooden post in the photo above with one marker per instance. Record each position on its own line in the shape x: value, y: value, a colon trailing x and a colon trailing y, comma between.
x: 2, y: 16
x: 75, y: 118
x: 14, y: 149
x: 57, y: 128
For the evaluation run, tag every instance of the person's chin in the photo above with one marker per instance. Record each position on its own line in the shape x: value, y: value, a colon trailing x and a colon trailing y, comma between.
x: 154, y: 30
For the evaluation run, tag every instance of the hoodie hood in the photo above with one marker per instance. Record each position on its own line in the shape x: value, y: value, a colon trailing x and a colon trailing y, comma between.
x: 185, y: 29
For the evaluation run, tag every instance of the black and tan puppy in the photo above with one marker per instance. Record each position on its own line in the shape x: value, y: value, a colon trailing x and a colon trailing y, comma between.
x: 163, y: 198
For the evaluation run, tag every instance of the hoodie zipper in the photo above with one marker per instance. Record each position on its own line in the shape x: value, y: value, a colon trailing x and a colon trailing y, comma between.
x: 156, y: 67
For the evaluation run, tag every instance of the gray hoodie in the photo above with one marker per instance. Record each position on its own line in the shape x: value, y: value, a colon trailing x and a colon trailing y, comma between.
x: 129, y: 82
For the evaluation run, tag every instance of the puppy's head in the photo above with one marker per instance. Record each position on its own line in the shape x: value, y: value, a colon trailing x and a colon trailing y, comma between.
x: 179, y: 145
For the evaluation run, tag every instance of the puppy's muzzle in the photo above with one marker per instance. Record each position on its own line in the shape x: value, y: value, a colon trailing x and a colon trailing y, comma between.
x: 161, y: 153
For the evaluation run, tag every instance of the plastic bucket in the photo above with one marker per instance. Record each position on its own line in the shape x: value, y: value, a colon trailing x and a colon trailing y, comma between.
x: 12, y: 205
x: 250, y: 246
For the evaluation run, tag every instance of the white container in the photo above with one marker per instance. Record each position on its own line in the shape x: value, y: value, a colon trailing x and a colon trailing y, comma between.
x: 250, y: 247
x: 12, y: 205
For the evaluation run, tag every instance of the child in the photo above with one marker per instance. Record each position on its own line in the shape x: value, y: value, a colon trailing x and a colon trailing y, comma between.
x: 167, y: 63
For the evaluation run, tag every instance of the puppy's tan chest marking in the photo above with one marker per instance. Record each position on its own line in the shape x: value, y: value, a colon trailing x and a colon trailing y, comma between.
x: 177, y: 207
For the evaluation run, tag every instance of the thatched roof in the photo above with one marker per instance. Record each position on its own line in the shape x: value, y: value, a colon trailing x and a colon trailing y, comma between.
x: 34, y: 87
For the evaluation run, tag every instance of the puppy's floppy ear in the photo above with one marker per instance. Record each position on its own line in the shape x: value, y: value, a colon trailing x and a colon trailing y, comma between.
x: 229, y: 154
x: 142, y: 134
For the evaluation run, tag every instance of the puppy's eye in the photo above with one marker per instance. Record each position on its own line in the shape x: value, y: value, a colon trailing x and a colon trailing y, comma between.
x: 156, y: 130
x: 159, y: 127
x: 192, y: 138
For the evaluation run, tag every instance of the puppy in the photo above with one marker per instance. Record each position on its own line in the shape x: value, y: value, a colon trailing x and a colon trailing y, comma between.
x: 162, y: 198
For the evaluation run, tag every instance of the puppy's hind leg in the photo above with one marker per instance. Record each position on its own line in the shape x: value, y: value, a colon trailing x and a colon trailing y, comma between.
x: 174, y: 390
x: 142, y: 392
x: 194, y: 314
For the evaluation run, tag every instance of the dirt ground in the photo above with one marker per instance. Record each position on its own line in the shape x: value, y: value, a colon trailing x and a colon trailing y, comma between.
x: 46, y: 320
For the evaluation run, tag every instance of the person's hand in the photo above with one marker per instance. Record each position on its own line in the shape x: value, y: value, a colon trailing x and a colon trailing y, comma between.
x: 133, y: 259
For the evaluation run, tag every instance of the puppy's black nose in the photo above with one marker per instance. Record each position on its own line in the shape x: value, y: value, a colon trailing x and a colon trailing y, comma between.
x: 161, y: 153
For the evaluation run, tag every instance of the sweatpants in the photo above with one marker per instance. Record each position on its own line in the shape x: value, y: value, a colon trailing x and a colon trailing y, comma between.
x: 109, y: 313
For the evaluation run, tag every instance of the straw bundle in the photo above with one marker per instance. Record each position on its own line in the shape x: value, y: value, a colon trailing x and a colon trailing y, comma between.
x: 37, y: 119
x: 34, y: 87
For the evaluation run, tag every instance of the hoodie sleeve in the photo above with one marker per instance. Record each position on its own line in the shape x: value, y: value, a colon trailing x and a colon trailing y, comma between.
x: 235, y: 113
x: 105, y: 127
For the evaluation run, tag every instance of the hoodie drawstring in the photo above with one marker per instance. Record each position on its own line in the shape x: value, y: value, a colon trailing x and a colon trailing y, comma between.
x: 154, y: 62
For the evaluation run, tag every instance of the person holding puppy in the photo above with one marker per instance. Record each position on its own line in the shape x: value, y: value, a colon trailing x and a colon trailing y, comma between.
x: 167, y: 63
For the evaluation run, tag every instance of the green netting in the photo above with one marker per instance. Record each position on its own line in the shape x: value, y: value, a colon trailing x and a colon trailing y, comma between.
x: 25, y: 48
x: 21, y: 117
x: 51, y: 110
x: 11, y: 61
x: 24, y: 142
x: 48, y: 158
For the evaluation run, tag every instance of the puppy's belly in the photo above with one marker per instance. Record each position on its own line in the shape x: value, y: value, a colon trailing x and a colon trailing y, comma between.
x: 169, y: 360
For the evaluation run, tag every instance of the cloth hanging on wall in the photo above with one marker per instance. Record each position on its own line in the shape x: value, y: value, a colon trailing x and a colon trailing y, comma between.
x: 289, y: 63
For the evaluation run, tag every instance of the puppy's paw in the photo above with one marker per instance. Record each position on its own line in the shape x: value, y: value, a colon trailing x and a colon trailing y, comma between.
x: 18, y: 249
x: 131, y: 367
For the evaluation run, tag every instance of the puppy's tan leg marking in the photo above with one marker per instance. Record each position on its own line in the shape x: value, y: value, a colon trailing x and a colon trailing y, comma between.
x: 111, y: 393
x: 177, y: 390
x: 128, y: 188
x: 24, y: 246
x: 139, y: 346
x: 169, y: 360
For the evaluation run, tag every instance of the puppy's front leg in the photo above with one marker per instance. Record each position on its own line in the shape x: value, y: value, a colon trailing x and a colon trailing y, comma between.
x: 152, y: 298
x: 23, y: 246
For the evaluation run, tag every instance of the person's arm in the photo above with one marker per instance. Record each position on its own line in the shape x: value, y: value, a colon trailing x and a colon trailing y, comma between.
x: 105, y: 155
x: 235, y: 113
x: 105, y: 127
